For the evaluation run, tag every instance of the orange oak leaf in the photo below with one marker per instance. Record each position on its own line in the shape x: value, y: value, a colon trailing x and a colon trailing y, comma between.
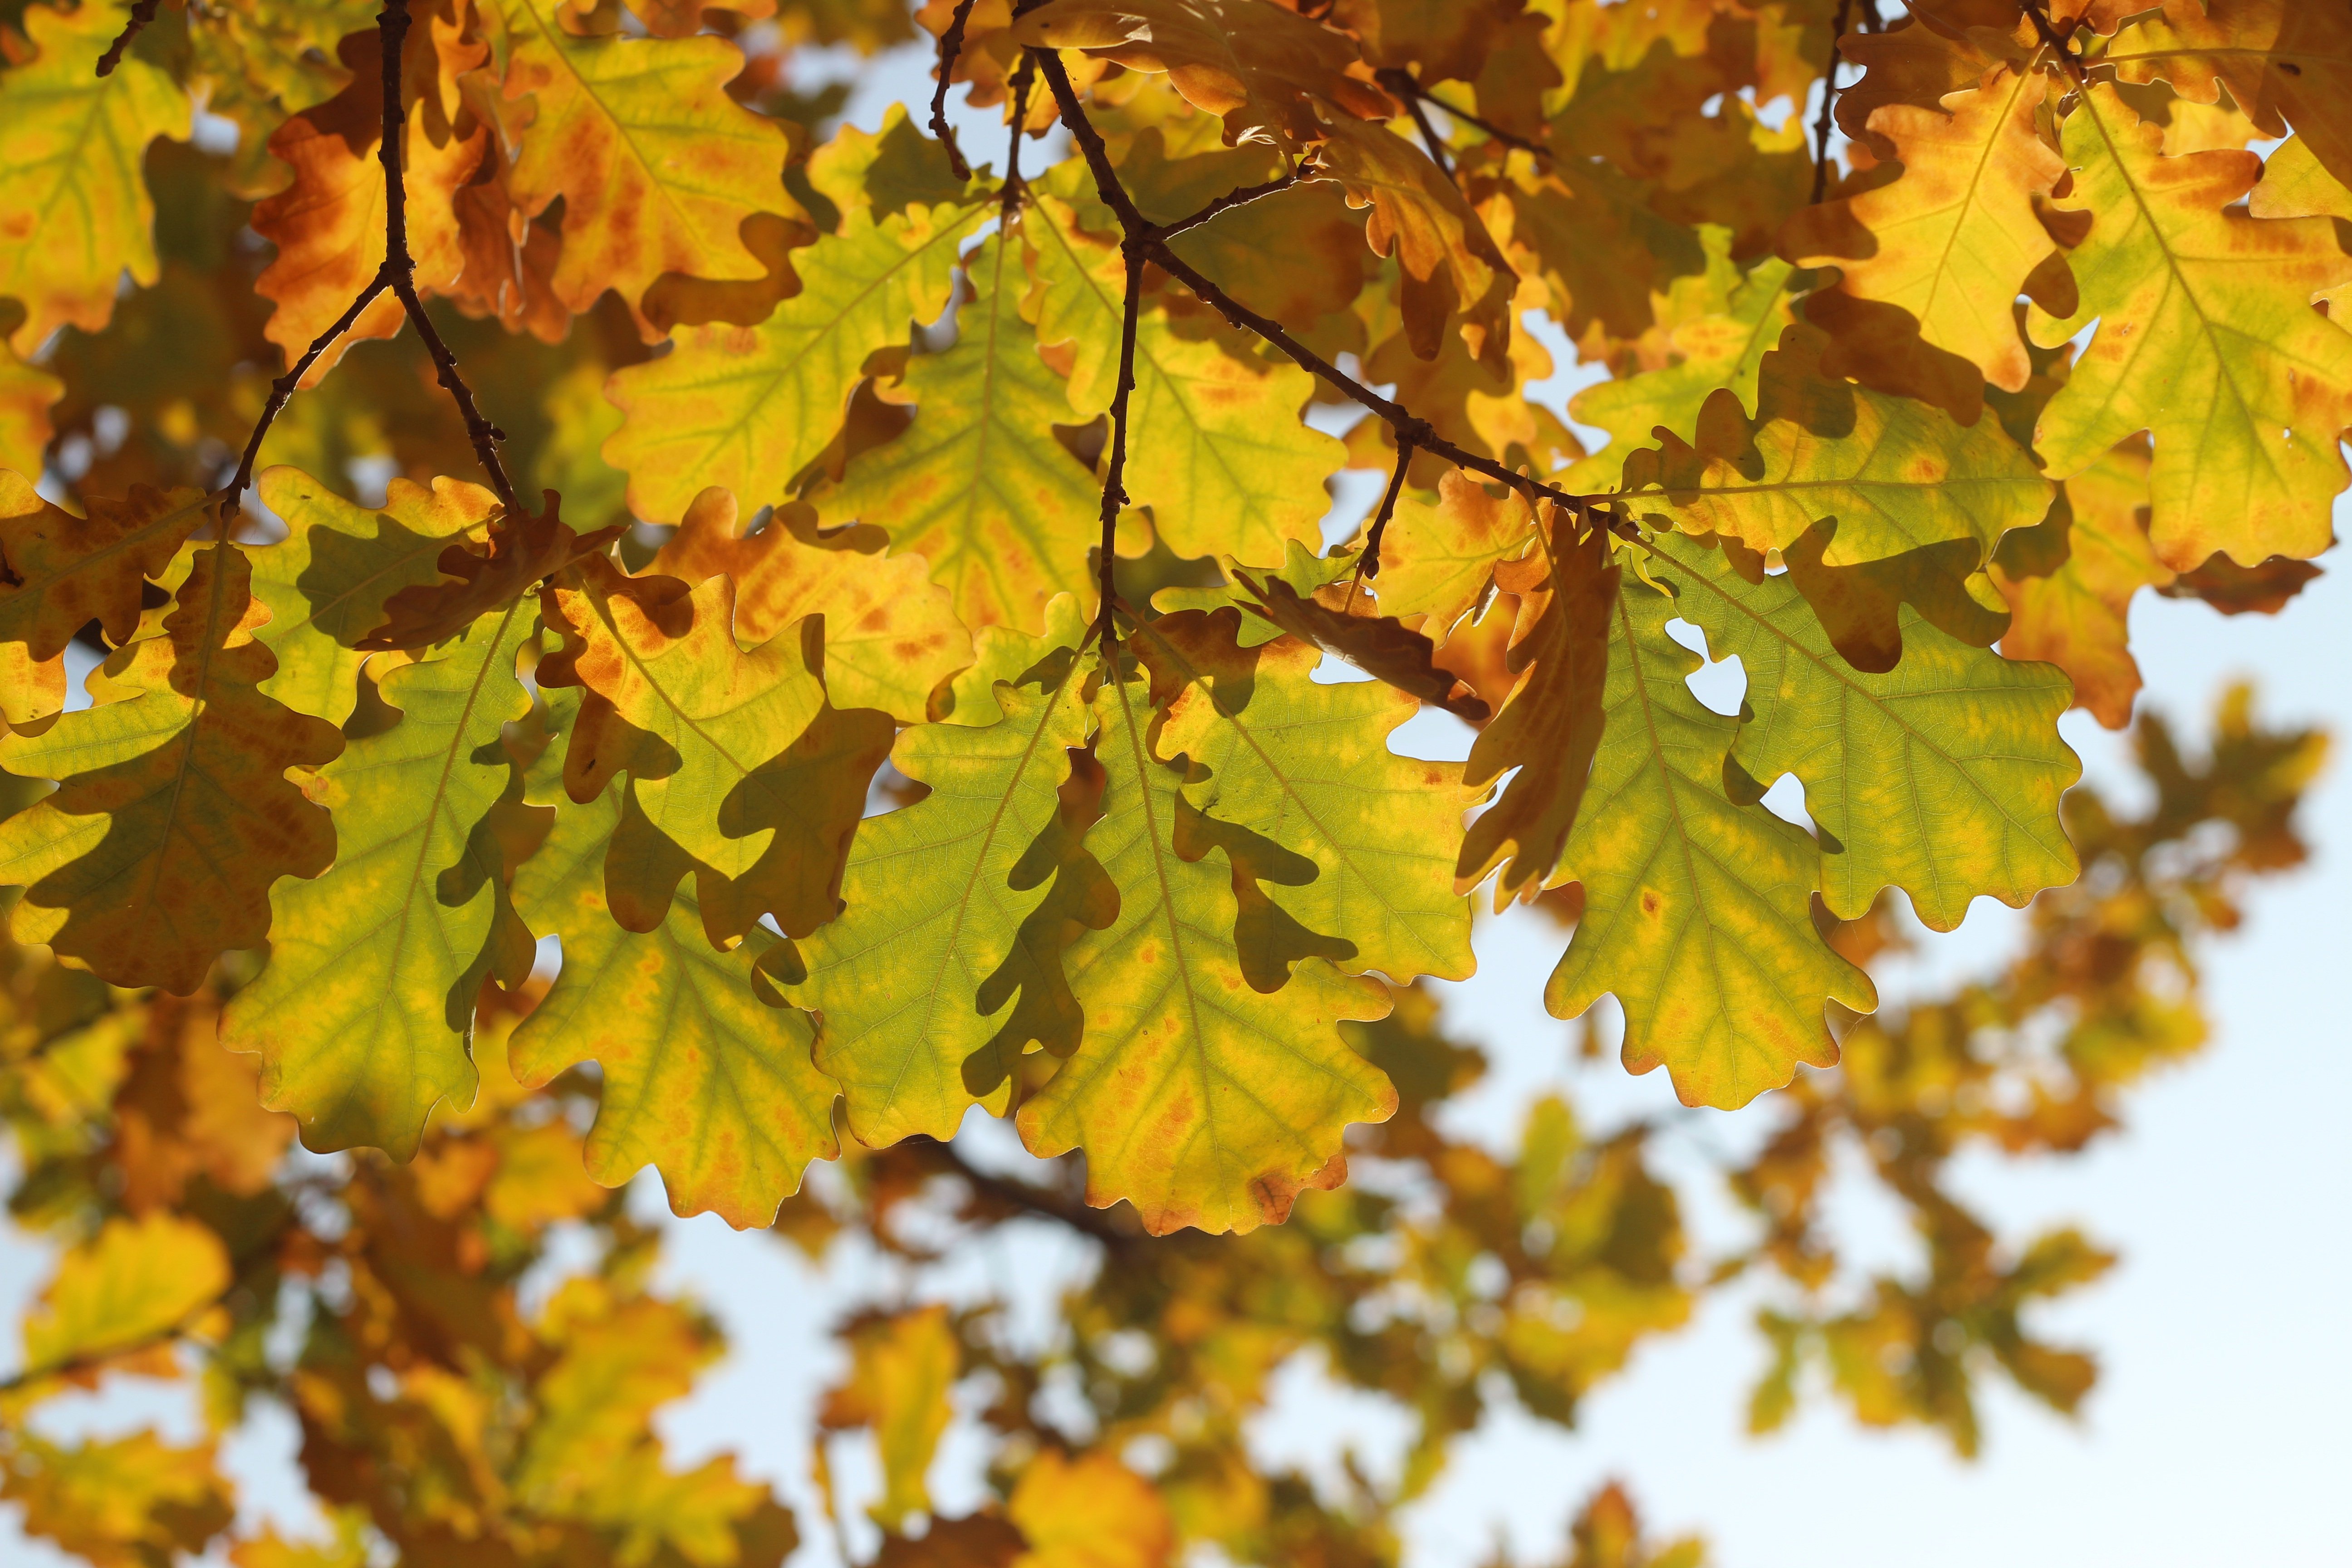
x: 890, y: 634
x: 59, y: 572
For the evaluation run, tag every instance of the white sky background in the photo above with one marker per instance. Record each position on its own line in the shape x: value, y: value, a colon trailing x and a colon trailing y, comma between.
x: 2225, y: 1397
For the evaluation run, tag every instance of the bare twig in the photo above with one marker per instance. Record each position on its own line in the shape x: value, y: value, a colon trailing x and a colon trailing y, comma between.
x: 951, y: 45
x: 1023, y: 79
x: 1368, y: 564
x: 282, y: 390
x: 1402, y: 83
x: 1829, y: 103
x: 1225, y: 204
x: 140, y: 15
x: 2068, y: 61
x: 1141, y: 234
x: 1114, y: 495
x: 1494, y: 131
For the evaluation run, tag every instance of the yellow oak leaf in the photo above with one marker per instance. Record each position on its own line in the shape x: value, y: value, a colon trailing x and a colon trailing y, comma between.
x: 890, y: 634
x: 657, y: 166
x: 901, y: 1370
x: 1916, y: 67
x: 173, y: 814
x: 364, y: 1013
x: 1338, y: 846
x: 2206, y: 339
x: 713, y: 1089
x: 748, y: 409
x: 74, y: 210
x: 1945, y: 250
x: 1436, y: 561
x: 1216, y: 444
x: 978, y: 484
x: 64, y: 572
x: 1698, y: 910
x: 135, y: 1283
x: 26, y: 394
x: 738, y: 765
x: 1197, y: 1098
x: 122, y: 1502
x: 1089, y: 1512
x: 884, y: 171
x: 2071, y: 578
x: 327, y: 583
x: 2284, y: 62
x: 910, y: 982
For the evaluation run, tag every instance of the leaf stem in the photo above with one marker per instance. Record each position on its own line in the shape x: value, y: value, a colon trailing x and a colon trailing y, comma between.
x: 1114, y: 495
x: 1402, y: 83
x: 951, y: 45
x: 141, y: 14
x: 1023, y: 79
x: 1368, y: 564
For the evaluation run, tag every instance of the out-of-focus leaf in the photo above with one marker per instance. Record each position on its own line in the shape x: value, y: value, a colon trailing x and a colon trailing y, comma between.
x: 900, y: 1372
x: 135, y: 1283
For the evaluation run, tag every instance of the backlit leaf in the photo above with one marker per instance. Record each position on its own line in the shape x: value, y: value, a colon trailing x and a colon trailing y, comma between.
x: 124, y: 1502
x: 173, y: 814
x: 1198, y: 1098
x: 74, y: 210
x: 900, y: 1372
x: 365, y: 1015
x: 2206, y: 339
x: 2284, y: 63
x: 746, y: 408
x: 1090, y: 1512
x: 136, y: 1282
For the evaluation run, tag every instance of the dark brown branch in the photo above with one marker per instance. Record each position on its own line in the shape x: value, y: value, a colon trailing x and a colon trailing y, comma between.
x: 1142, y: 234
x: 1225, y: 204
x: 282, y: 390
x: 401, y: 268
x: 1402, y: 83
x: 1494, y: 131
x: 1095, y: 1223
x: 140, y: 15
x: 951, y: 45
x: 1023, y: 79
x: 1114, y: 495
x: 1829, y: 104
x: 2068, y: 59
x: 1368, y: 564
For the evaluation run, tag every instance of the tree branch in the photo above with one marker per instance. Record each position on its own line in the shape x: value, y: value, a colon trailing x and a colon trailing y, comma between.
x: 1402, y: 83
x: 1368, y: 564
x: 1095, y: 1223
x: 1114, y: 495
x: 1495, y: 132
x: 140, y: 15
x: 1829, y: 103
x: 951, y: 45
x: 397, y: 274
x: 1023, y: 79
x: 1149, y: 239
x: 1227, y: 203
x: 2039, y: 12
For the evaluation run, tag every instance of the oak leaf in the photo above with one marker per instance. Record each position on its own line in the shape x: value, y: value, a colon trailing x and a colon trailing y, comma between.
x: 1337, y: 845
x: 714, y: 1091
x: 173, y: 814
x: 941, y: 897
x: 890, y: 634
x: 1089, y: 1512
x: 2207, y: 340
x: 657, y: 166
x: 980, y: 485
x: 122, y: 1502
x: 136, y: 1283
x: 1198, y: 1098
x: 74, y: 210
x: 62, y: 572
x: 2285, y: 63
x: 1697, y: 908
x: 1947, y: 245
x: 735, y: 760
x: 1216, y: 444
x: 517, y: 553
x: 1383, y: 647
x: 901, y: 1370
x: 1262, y: 68
x: 748, y: 409
x: 1940, y: 776
x: 365, y: 1015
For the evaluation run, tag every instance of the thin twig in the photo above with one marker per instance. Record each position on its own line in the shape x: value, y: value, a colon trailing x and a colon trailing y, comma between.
x: 1403, y: 84
x: 282, y: 390
x: 140, y: 15
x: 1225, y: 204
x: 2068, y: 59
x: 1023, y: 79
x: 1114, y: 495
x: 951, y: 45
x: 401, y: 268
x: 1140, y: 230
x: 1492, y: 131
x: 1368, y: 564
x: 1829, y: 103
